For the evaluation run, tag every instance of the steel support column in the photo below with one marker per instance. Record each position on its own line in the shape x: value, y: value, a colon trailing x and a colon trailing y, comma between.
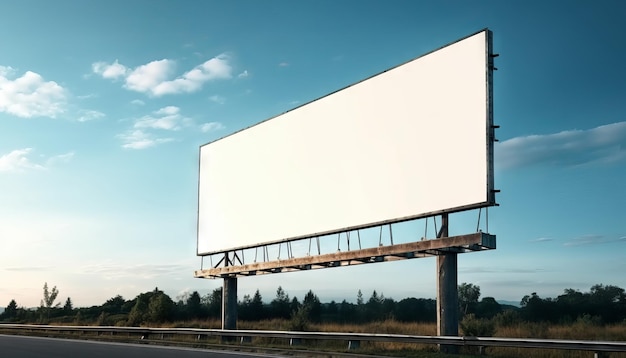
x: 229, y: 303
x: 447, y: 292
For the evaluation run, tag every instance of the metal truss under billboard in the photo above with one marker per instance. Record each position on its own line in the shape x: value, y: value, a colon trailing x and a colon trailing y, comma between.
x: 411, y: 142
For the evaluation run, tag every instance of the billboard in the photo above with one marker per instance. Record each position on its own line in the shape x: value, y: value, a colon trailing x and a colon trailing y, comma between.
x: 410, y: 142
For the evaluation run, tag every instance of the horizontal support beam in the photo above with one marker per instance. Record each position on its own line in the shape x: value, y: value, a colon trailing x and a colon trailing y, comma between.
x: 459, y: 244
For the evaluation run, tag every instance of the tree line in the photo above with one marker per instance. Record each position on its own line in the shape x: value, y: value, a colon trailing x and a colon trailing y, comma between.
x: 602, y: 304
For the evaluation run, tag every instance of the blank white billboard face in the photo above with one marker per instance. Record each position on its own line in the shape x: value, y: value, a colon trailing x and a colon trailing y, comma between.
x: 407, y: 143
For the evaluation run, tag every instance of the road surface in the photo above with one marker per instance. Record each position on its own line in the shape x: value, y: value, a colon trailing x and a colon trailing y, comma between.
x: 38, y: 347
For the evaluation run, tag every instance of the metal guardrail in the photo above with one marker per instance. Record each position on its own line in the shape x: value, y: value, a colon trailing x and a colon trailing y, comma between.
x: 353, y: 339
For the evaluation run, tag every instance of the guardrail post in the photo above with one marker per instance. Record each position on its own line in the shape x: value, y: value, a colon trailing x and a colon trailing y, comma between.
x: 354, y: 344
x: 600, y: 354
x: 246, y: 339
x: 295, y: 341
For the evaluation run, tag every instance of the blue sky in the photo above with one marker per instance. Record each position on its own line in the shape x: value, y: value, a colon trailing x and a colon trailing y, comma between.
x: 103, y: 106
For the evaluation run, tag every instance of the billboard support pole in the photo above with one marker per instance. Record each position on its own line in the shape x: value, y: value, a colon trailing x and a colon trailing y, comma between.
x: 447, y: 292
x: 229, y: 300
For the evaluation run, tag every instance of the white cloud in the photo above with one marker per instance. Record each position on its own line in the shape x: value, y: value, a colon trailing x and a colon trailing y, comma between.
x: 61, y: 158
x: 244, y: 74
x: 144, y: 134
x: 283, y: 64
x: 603, y: 144
x: 211, y: 126
x: 89, y: 115
x: 541, y: 239
x: 29, y: 95
x: 146, y: 78
x: 137, y: 102
x: 153, y: 78
x: 87, y: 96
x: 116, y: 271
x: 110, y: 71
x: 217, y: 99
x: 168, y: 118
x: 6, y: 71
x: 593, y: 240
x: 18, y: 160
x: 139, y: 139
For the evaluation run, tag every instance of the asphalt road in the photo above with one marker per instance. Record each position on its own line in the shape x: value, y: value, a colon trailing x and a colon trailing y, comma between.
x: 38, y: 347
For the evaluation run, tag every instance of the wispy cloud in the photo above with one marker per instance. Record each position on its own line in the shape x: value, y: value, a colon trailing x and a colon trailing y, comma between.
x: 61, y: 158
x: 87, y: 96
x: 137, y: 102
x: 30, y: 95
x: 139, y: 139
x: 244, y: 74
x: 113, y: 271
x: 18, y: 160
x: 593, y: 240
x: 603, y: 144
x: 89, y: 115
x: 161, y: 127
x: 154, y: 78
x: 27, y: 268
x: 283, y: 64
x: 211, y: 126
x: 217, y: 99
x: 541, y: 239
x: 167, y: 118
x: 480, y: 269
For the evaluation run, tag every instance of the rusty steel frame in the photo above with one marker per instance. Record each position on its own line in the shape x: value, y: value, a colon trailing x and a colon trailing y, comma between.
x: 456, y: 244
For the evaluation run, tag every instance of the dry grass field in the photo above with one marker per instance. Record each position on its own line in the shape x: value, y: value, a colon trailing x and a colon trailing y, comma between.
x: 574, y: 331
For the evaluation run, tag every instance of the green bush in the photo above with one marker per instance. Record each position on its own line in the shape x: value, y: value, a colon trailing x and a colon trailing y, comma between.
x: 299, y: 319
x: 589, y: 320
x: 477, y: 327
x: 508, y: 318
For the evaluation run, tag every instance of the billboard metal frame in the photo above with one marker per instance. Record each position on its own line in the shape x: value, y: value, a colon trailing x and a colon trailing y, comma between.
x: 490, y: 192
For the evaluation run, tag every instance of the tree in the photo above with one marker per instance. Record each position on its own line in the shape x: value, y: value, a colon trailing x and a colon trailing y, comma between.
x: 160, y: 308
x: 348, y: 312
x: 331, y: 311
x: 488, y: 308
x: 280, y: 304
x: 313, y: 305
x: 416, y: 310
x: 194, y: 306
x: 139, y: 312
x: 468, y: 296
x: 48, y: 299
x: 68, y: 307
x: 213, y: 302
x: 373, y: 307
x: 10, y: 312
x: 294, y: 305
x: 256, y: 305
x: 359, y: 298
x: 115, y: 305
